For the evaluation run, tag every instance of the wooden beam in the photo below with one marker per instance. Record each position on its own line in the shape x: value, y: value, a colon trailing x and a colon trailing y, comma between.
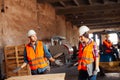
x: 87, y: 8
x: 95, y: 21
x: 105, y: 26
x: 106, y: 1
x: 94, y: 16
x: 62, y: 3
x: 98, y: 22
x: 118, y: 1
x: 51, y: 1
x: 101, y: 27
x: 110, y: 1
x: 90, y: 2
x: 76, y: 2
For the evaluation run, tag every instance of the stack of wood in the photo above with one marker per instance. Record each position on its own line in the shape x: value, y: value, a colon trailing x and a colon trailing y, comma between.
x: 14, y: 57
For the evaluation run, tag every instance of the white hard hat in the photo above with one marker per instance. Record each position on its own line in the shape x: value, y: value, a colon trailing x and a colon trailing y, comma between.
x: 31, y: 32
x: 83, y: 29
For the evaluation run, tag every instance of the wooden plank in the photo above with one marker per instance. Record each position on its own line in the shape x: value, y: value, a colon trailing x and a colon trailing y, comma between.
x: 112, y: 22
x: 57, y: 76
x: 50, y: 1
x: 83, y: 15
x: 11, y: 51
x: 76, y: 2
x: 90, y: 2
x: 62, y: 3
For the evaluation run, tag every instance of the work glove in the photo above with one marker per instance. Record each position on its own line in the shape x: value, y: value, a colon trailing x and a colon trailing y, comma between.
x: 48, y: 68
x: 96, y: 71
x: 17, y: 69
x: 58, y: 62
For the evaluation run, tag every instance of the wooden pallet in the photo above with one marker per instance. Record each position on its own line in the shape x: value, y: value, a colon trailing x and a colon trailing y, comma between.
x: 14, y: 58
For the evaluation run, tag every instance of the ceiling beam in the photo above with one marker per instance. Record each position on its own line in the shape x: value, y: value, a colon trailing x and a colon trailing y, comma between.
x: 103, y: 1
x: 51, y: 1
x: 110, y: 1
x: 118, y: 1
x: 81, y: 19
x: 107, y: 26
x: 92, y: 20
x: 76, y: 2
x: 90, y: 2
x: 99, y: 22
x: 106, y: 1
x: 87, y: 8
x: 62, y: 3
x: 94, y: 16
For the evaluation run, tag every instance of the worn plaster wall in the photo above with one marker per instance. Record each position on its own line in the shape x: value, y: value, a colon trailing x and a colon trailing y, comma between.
x: 50, y: 24
x: 21, y: 15
x: 18, y: 17
x: 72, y: 34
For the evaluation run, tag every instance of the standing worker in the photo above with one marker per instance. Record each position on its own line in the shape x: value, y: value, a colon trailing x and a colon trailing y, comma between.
x: 109, y: 48
x: 36, y: 55
x: 88, y: 57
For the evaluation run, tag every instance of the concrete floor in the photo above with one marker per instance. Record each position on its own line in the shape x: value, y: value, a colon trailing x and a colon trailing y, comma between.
x: 72, y: 73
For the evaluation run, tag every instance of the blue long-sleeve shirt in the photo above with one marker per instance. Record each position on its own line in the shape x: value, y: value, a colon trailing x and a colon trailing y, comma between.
x: 47, y: 55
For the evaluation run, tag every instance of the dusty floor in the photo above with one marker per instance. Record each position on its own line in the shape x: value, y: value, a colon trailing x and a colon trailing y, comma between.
x: 71, y: 73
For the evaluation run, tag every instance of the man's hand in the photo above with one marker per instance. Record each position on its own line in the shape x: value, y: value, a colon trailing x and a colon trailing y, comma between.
x: 17, y: 69
x: 58, y: 62
x: 48, y: 68
x: 96, y: 71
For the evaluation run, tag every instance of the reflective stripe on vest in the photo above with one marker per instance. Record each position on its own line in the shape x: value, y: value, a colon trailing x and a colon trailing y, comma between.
x: 36, y: 59
x: 85, y: 56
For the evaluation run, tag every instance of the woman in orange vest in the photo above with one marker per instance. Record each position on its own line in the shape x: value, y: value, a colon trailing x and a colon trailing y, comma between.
x: 36, y: 55
x: 88, y: 57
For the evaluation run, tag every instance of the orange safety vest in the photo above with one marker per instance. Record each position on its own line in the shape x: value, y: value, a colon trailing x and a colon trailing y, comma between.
x: 107, y: 45
x: 85, y: 56
x: 36, y: 59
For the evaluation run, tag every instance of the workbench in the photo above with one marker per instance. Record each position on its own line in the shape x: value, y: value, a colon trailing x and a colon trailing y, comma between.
x: 55, y: 76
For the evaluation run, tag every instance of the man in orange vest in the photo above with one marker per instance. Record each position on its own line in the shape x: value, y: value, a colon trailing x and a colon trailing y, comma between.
x: 109, y: 48
x: 88, y: 57
x: 36, y: 55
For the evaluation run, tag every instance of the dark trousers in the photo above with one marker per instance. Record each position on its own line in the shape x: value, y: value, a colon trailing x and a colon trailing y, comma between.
x: 116, y: 52
x: 83, y: 75
x: 36, y: 72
